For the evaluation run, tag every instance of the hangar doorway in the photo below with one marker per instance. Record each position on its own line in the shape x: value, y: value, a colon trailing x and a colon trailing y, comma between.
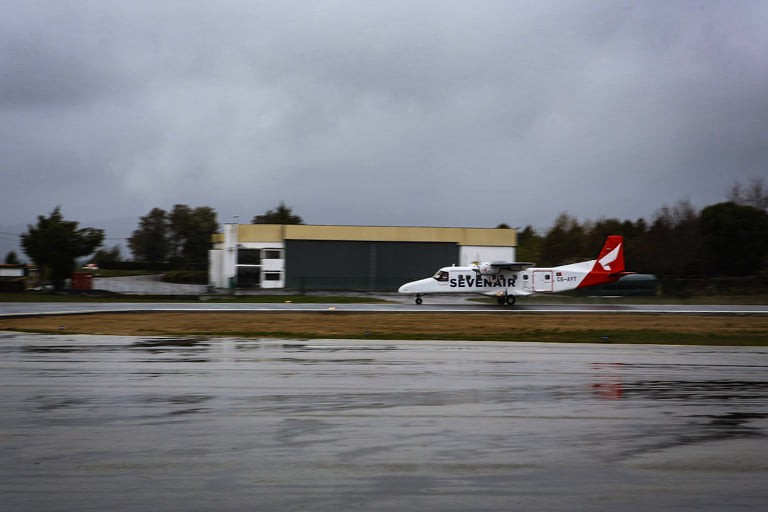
x: 362, y: 265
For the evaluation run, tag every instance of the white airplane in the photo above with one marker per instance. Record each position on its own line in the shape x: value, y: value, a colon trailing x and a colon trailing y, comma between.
x: 507, y: 280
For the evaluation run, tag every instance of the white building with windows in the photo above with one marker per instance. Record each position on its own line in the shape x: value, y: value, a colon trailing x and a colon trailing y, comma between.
x: 304, y: 256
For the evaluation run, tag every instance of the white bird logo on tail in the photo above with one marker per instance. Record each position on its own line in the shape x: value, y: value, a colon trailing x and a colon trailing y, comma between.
x: 609, y: 258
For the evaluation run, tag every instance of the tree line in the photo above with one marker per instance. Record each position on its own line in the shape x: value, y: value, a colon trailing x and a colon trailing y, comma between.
x: 179, y: 238
x: 183, y: 235
x: 723, y: 239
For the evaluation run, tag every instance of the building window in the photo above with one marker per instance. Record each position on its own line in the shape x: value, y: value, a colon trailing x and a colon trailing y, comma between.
x: 273, y: 254
x: 249, y: 257
x: 271, y: 276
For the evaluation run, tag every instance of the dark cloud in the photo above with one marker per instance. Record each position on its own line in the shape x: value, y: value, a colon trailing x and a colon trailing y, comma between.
x: 440, y: 113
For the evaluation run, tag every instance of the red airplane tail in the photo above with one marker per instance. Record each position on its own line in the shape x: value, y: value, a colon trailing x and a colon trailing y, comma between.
x: 609, y: 265
x: 611, y: 256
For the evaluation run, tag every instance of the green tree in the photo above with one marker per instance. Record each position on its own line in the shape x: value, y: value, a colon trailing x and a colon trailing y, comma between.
x: 150, y: 241
x: 755, y: 194
x: 179, y: 223
x: 674, y: 242
x: 190, y: 232
x: 564, y: 242
x: 529, y: 245
x: 280, y: 215
x: 11, y: 258
x: 54, y: 245
x: 596, y: 233
x: 635, y: 249
x: 183, y: 235
x: 104, y: 255
x: 735, y: 238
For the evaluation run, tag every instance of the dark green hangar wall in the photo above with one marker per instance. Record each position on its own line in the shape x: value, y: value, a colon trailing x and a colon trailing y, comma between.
x: 363, y: 265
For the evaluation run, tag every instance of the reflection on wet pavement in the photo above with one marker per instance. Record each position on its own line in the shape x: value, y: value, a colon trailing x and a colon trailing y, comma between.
x: 121, y: 423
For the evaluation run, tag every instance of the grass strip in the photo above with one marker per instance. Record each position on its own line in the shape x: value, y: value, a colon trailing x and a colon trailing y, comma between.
x: 694, y: 329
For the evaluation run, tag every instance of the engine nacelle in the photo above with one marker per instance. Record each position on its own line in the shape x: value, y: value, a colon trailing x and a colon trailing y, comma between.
x: 486, y: 269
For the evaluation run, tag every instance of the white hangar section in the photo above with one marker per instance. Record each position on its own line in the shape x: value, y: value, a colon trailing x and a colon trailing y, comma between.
x: 307, y: 257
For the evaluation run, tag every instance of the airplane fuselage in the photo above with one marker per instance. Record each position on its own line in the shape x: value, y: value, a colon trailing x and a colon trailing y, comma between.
x: 470, y: 280
x: 509, y: 280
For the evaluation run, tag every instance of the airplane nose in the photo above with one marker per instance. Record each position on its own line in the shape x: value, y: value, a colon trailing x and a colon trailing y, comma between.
x: 405, y: 288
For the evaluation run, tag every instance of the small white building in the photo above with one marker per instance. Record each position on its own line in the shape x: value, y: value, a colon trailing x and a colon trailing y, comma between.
x: 346, y: 257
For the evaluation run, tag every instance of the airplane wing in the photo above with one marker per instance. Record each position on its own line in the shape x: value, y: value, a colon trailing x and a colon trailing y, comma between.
x: 515, y: 266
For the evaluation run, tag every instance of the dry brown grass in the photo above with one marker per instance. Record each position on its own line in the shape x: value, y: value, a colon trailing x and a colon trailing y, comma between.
x: 711, y: 329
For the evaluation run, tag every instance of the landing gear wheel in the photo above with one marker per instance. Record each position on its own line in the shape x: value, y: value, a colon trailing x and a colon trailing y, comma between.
x: 500, y: 300
x: 418, y: 299
x: 510, y: 300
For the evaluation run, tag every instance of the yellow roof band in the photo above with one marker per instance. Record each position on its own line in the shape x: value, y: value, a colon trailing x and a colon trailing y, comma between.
x: 462, y: 236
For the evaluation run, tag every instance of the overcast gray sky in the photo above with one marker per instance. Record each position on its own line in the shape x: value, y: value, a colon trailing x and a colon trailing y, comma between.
x: 444, y: 113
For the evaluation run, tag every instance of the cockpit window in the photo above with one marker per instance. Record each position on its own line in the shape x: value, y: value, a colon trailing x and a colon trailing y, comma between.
x: 441, y: 275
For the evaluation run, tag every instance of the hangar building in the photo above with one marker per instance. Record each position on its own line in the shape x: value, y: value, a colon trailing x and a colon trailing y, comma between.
x: 308, y: 257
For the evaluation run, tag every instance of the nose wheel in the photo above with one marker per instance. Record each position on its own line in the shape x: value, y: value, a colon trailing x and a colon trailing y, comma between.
x: 418, y: 299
